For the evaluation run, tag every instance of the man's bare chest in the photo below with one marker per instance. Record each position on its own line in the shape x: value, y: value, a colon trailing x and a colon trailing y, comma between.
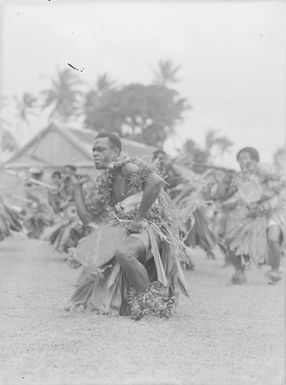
x: 119, y: 188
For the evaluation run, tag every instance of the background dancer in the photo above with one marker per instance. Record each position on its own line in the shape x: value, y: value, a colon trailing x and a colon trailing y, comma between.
x: 189, y: 192
x: 69, y: 228
x: 38, y: 214
x: 259, y: 237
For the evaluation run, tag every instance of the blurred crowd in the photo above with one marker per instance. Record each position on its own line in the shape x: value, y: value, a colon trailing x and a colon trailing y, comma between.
x: 211, y: 207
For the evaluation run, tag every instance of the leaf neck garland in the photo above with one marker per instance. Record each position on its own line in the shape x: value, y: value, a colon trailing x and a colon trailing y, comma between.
x: 102, y: 205
x: 99, y: 202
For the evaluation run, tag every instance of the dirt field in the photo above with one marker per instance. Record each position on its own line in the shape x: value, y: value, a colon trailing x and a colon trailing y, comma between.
x: 223, y: 335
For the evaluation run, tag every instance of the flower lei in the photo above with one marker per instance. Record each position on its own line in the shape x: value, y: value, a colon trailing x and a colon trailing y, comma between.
x: 103, y: 205
x: 99, y: 202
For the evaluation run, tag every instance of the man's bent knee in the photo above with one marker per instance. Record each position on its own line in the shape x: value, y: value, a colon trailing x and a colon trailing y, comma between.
x: 124, y: 255
x: 132, y: 249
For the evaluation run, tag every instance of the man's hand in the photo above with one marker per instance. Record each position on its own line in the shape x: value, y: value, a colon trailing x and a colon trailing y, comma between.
x: 137, y: 226
x: 54, y: 189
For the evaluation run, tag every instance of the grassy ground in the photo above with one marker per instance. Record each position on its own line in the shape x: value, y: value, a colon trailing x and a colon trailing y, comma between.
x: 223, y: 335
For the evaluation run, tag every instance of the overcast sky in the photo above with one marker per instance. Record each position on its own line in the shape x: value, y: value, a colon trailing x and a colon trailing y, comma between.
x: 233, y: 57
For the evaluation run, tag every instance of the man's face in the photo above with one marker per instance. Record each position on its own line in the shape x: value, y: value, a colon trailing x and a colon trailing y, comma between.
x: 68, y: 171
x: 56, y: 180
x: 246, y: 162
x: 103, y: 153
x: 36, y: 176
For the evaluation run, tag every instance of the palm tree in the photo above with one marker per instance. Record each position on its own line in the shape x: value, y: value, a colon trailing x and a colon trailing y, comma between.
x: 3, y: 104
x: 63, y: 95
x: 214, y: 141
x: 166, y: 73
x: 8, y: 141
x: 25, y: 106
x: 93, y: 97
x: 193, y: 155
x: 103, y: 84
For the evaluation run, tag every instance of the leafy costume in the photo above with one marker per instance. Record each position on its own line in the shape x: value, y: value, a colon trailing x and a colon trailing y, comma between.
x: 104, y: 288
x: 249, y: 238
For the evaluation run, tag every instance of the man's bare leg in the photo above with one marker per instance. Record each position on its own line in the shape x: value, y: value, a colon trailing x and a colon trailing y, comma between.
x: 140, y: 302
x: 239, y: 267
x: 273, y: 236
x: 129, y: 256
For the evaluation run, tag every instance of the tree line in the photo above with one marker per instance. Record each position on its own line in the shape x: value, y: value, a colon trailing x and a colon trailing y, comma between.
x: 147, y: 113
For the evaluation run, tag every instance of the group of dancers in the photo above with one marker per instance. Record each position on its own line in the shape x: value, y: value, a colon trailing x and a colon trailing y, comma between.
x: 249, y: 216
x: 135, y: 227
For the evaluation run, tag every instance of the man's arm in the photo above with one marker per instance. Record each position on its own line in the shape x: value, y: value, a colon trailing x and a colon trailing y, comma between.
x: 176, y: 170
x: 230, y: 192
x: 150, y: 194
x: 267, y: 172
x: 231, y: 201
x: 52, y: 200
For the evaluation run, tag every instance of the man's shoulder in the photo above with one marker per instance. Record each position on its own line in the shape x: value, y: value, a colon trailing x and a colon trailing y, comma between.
x: 129, y: 167
x: 265, y: 168
x: 132, y: 167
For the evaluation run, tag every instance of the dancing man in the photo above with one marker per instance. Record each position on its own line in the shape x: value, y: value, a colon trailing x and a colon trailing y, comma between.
x: 142, y: 274
x: 259, y: 236
x: 188, y: 191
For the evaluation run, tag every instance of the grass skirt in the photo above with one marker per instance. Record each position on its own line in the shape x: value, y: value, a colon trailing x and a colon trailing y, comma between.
x: 200, y: 234
x: 250, y: 238
x: 104, y: 289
